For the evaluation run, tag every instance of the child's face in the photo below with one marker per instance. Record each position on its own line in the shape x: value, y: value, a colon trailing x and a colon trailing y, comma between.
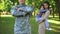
x: 42, y: 7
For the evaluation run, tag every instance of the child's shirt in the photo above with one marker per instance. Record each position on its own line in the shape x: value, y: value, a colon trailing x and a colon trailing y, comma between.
x: 38, y: 17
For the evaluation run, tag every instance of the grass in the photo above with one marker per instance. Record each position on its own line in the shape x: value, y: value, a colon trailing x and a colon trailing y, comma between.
x: 7, y: 25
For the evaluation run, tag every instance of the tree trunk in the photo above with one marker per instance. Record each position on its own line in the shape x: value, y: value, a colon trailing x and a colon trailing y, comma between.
x: 58, y: 6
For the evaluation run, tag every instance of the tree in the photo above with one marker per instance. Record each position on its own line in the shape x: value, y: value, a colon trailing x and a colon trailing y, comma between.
x: 58, y: 6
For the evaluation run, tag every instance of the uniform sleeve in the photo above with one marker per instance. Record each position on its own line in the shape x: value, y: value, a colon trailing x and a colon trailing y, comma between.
x: 29, y: 9
x: 15, y: 13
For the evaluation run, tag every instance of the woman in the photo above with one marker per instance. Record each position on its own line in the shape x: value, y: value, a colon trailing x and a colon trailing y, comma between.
x: 39, y: 15
x: 41, y: 29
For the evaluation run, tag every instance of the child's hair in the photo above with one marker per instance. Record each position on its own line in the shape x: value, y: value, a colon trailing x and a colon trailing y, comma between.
x: 41, y: 6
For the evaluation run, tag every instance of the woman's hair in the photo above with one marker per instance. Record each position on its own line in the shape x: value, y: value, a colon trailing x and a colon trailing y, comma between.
x: 47, y: 3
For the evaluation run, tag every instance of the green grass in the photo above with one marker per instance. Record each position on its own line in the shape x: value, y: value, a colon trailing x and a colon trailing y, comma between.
x: 7, y: 25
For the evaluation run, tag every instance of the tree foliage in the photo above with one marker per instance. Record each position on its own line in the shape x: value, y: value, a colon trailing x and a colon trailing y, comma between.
x: 6, y: 5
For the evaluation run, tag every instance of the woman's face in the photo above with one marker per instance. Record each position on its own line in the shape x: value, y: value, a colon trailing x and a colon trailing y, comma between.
x: 46, y: 5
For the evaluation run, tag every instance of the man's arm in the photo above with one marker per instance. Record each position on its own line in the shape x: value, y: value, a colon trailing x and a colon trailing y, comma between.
x: 16, y: 13
x: 29, y: 10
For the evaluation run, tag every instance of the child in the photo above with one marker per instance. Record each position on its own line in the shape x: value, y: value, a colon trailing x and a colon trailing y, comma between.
x: 40, y: 13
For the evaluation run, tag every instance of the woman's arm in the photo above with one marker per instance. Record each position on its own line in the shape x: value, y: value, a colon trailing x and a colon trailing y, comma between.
x: 45, y: 16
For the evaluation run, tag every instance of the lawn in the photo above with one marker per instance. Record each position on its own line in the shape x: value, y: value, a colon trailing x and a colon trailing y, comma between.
x: 7, y: 25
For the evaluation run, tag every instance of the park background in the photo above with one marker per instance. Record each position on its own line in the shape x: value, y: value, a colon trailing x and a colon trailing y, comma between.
x: 7, y: 20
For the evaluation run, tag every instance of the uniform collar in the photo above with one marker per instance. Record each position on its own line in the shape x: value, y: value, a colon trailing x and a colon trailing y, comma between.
x: 22, y: 4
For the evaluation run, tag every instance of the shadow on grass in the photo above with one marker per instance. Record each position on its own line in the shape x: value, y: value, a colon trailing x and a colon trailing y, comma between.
x: 35, y: 27
x: 55, y: 18
x: 52, y: 32
x: 7, y: 24
x: 55, y: 26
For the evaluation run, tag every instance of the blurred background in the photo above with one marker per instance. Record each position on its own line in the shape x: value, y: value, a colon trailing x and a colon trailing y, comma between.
x: 7, y: 20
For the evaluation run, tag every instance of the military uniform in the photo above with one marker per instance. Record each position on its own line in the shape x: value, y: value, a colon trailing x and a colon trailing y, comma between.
x: 22, y: 25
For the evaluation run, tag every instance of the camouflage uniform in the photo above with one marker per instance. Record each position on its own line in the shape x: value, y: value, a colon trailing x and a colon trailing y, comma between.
x: 22, y: 25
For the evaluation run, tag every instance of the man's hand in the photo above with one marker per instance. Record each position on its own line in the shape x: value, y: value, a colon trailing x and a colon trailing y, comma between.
x: 19, y: 9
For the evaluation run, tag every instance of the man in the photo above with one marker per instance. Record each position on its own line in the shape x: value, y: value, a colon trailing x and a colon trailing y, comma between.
x: 22, y: 13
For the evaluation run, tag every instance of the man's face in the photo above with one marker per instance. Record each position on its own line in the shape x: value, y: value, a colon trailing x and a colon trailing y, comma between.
x: 21, y: 1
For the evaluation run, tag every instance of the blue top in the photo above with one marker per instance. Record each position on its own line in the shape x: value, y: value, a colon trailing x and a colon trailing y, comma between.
x: 41, y: 12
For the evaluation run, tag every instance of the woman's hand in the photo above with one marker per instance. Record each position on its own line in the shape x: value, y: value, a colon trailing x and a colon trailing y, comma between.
x: 45, y: 16
x: 40, y: 14
x: 41, y: 21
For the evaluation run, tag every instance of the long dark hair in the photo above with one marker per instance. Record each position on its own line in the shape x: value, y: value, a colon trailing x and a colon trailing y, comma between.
x: 47, y: 3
